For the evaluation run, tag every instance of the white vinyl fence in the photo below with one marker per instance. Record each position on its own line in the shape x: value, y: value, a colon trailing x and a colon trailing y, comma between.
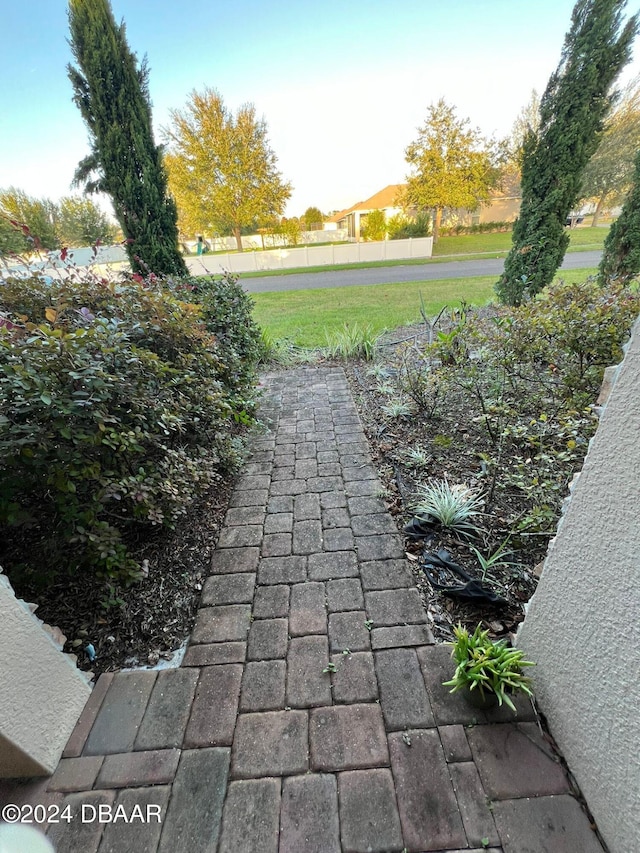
x: 256, y: 242
x: 312, y: 256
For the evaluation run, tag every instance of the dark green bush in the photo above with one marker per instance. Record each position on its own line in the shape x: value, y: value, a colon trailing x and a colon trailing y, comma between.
x: 120, y: 405
x: 401, y: 227
x: 479, y: 228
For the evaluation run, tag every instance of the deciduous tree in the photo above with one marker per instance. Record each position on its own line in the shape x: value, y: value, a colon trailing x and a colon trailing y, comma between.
x: 572, y: 111
x: 38, y: 215
x: 313, y: 219
x: 222, y: 169
x: 112, y: 92
x: 621, y: 258
x: 82, y: 223
x: 607, y: 176
x: 452, y: 166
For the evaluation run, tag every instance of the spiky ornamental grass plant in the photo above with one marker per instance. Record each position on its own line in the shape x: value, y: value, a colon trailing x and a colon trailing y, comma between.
x: 353, y: 341
x: 112, y: 93
x: 453, y: 506
x: 572, y: 111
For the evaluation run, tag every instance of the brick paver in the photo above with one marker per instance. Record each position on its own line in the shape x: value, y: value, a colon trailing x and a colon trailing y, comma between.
x: 251, y: 816
x: 271, y: 744
x: 308, y: 715
x: 346, y: 737
x: 368, y: 813
x: 403, y: 697
x: 195, y: 808
x: 309, y: 817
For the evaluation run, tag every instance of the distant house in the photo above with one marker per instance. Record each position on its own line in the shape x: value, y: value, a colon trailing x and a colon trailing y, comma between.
x: 503, y: 207
x: 353, y: 218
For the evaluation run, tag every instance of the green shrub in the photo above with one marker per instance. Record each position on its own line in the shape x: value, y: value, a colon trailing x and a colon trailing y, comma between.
x: 226, y: 311
x: 531, y: 374
x: 121, y: 405
x: 375, y: 226
x: 401, y: 227
x: 479, y: 228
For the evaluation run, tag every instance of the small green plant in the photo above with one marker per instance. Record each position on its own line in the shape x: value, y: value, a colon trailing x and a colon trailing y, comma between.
x: 378, y: 371
x: 352, y: 341
x: 487, y: 667
x: 368, y: 624
x: 452, y: 506
x: 415, y: 457
x: 397, y: 409
x: 330, y: 667
x: 442, y: 440
x: 498, y: 558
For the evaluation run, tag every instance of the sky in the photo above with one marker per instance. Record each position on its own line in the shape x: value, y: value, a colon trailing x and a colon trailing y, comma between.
x: 343, y: 86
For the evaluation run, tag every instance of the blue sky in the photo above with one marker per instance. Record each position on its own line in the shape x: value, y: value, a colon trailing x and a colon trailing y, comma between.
x: 343, y: 86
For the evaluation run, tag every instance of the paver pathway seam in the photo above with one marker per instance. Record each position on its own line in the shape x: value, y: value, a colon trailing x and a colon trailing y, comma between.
x: 316, y: 725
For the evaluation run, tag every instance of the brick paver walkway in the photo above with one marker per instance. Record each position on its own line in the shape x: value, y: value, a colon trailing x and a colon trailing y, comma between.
x: 309, y: 714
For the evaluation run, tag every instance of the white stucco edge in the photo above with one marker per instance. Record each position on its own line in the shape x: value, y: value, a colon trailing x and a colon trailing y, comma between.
x: 42, y: 692
x: 582, y: 626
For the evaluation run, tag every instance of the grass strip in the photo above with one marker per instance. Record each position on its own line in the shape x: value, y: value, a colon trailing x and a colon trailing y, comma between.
x: 305, y: 316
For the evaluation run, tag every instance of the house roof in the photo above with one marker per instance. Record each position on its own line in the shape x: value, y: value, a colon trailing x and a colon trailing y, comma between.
x: 389, y: 195
x: 384, y: 198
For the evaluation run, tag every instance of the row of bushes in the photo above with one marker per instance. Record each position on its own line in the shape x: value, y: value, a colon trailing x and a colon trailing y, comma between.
x: 120, y: 404
x: 479, y: 228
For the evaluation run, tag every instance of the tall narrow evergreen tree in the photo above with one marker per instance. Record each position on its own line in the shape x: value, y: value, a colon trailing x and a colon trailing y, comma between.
x: 572, y: 111
x: 621, y: 258
x: 112, y: 93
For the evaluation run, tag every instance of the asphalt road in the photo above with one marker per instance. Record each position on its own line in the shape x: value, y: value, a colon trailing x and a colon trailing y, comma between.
x: 386, y: 275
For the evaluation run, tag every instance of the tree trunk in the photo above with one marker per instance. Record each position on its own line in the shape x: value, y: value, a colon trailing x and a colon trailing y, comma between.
x: 238, y: 236
x: 436, y: 224
x: 598, y: 210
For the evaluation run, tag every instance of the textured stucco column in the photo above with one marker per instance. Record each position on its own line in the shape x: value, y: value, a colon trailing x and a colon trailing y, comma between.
x: 583, y: 624
x: 41, y: 693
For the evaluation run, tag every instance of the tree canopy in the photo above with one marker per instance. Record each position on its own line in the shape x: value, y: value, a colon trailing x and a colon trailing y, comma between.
x: 37, y: 218
x: 607, y: 176
x: 452, y: 165
x: 222, y: 170
x: 112, y: 93
x: 313, y: 219
x: 82, y: 223
x: 621, y: 257
x: 572, y: 111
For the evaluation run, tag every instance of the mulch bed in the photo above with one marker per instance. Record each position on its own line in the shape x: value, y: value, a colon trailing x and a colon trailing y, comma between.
x: 154, y: 616
x: 453, y: 442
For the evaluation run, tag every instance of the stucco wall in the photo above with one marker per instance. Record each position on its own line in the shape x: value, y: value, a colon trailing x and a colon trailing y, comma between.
x: 41, y: 693
x: 583, y: 624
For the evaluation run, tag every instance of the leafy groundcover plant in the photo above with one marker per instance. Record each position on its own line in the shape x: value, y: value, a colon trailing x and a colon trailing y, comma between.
x: 121, y: 403
x: 487, y: 667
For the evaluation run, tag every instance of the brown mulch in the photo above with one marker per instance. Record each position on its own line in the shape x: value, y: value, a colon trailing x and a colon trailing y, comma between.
x: 149, y: 621
x: 453, y: 442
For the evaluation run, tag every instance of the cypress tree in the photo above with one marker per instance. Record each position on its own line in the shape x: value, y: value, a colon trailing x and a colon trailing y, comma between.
x: 572, y: 111
x: 621, y: 258
x: 112, y: 93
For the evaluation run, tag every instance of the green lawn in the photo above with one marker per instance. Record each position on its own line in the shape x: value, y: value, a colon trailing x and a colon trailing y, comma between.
x: 582, y: 239
x: 467, y: 247
x: 304, y: 316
